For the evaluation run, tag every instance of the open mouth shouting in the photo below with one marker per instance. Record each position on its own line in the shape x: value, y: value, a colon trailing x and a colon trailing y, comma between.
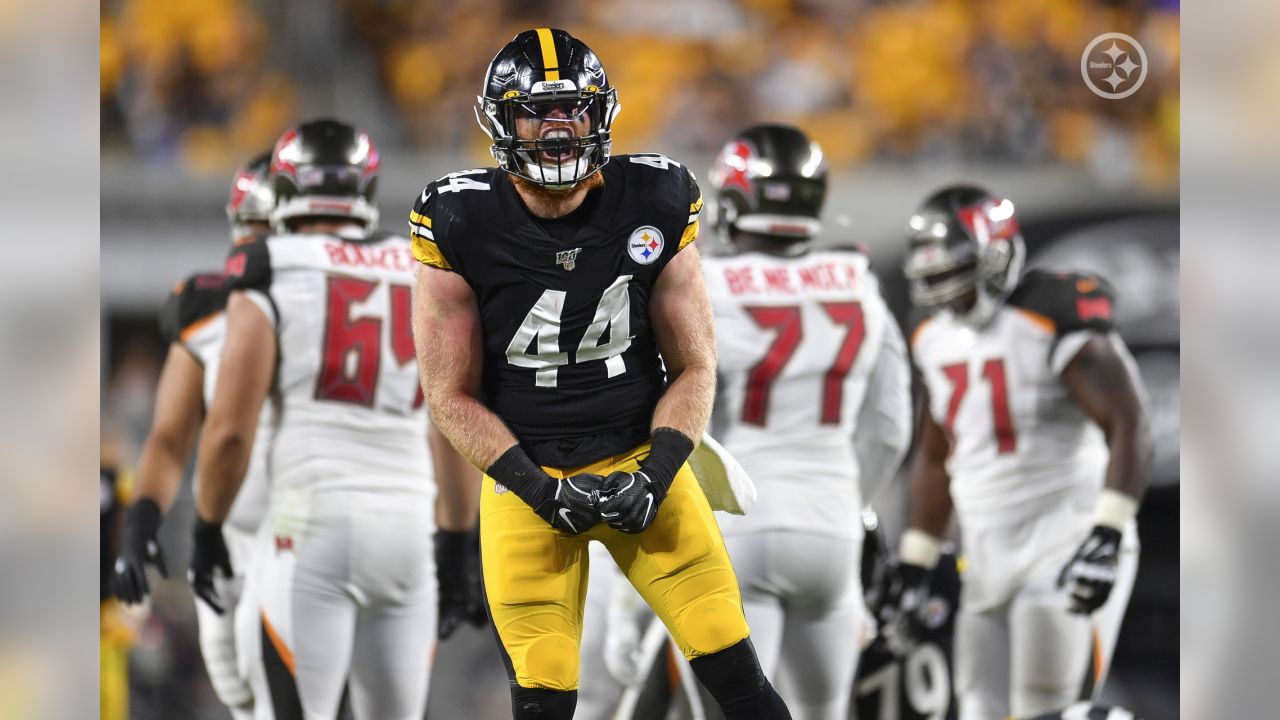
x: 556, y: 143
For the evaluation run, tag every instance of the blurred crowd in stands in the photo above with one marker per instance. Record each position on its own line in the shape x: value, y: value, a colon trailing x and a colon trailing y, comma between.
x: 203, y: 83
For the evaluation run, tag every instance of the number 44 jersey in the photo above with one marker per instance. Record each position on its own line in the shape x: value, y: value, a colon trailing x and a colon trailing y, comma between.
x: 571, y: 363
x: 352, y: 415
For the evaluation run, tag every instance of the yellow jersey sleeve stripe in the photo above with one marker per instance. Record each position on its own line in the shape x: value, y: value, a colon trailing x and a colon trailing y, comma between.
x: 418, y: 219
x: 549, y: 59
x: 696, y: 205
x: 690, y: 234
x: 428, y: 253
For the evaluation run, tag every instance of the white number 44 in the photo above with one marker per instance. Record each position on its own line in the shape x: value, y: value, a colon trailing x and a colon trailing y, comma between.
x: 541, y: 327
x: 661, y: 162
x: 458, y: 181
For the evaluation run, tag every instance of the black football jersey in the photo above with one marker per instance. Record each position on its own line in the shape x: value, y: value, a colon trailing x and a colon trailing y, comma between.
x: 920, y: 685
x: 194, y: 301
x: 571, y: 364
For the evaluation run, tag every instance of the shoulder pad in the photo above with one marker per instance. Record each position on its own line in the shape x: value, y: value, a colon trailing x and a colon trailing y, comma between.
x: 671, y: 188
x: 438, y: 214
x: 193, y: 299
x: 248, y: 266
x: 918, y: 332
x: 1070, y: 301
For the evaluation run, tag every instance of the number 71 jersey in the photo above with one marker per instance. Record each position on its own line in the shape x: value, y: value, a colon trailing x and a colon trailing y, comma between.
x: 352, y: 410
x: 1019, y: 443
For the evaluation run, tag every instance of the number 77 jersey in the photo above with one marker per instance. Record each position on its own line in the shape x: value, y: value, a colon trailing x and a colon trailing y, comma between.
x: 798, y: 340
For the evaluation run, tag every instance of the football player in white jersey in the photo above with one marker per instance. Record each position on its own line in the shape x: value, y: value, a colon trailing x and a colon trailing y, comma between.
x: 814, y: 401
x: 1034, y: 431
x: 194, y: 323
x: 318, y: 320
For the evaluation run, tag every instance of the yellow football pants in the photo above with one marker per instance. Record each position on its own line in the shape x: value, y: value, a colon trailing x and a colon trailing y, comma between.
x: 114, y: 640
x: 535, y: 576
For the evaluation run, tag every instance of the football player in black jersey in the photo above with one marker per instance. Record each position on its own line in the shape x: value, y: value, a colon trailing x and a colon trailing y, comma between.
x: 565, y: 345
x: 1034, y: 430
x: 188, y: 321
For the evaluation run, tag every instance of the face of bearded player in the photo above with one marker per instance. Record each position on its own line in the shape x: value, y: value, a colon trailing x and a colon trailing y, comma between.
x: 555, y: 130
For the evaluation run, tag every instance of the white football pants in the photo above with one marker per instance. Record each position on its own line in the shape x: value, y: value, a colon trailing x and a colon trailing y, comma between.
x: 347, y: 589
x: 1028, y: 655
x: 802, y: 593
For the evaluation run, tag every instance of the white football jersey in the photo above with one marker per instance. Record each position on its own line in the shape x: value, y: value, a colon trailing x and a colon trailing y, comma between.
x: 195, y: 315
x: 1020, y: 444
x: 352, y: 416
x: 808, y: 355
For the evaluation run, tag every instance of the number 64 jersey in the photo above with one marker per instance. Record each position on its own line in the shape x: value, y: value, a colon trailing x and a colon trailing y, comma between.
x: 352, y: 414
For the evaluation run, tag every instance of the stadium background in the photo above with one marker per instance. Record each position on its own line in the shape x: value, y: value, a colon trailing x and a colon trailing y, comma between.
x: 903, y: 96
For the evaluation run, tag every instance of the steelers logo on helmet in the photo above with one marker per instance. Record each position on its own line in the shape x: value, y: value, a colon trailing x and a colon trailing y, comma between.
x: 645, y: 244
x: 548, y: 107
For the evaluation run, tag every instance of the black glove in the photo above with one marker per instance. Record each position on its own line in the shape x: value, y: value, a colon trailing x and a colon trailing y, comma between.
x: 208, y: 553
x: 901, y: 619
x: 1091, y: 573
x: 140, y: 548
x: 458, y: 574
x: 568, y: 505
x: 630, y: 501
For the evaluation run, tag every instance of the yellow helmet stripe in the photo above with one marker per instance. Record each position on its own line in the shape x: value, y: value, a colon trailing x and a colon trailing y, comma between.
x: 549, y: 59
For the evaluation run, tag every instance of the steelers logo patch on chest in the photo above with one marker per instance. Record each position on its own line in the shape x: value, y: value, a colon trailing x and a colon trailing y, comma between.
x: 645, y: 244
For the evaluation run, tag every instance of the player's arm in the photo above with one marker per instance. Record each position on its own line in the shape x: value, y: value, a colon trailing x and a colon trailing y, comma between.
x: 447, y: 335
x: 456, y: 549
x: 928, y: 495
x: 884, y: 422
x: 176, y: 421
x: 244, y: 380
x: 226, y: 442
x: 457, y: 483
x: 680, y: 312
x: 1099, y: 380
x: 928, y: 512
x: 1101, y: 383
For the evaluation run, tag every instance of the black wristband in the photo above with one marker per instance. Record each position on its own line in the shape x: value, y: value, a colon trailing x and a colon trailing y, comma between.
x: 144, y: 517
x: 207, y: 530
x: 522, y: 476
x: 668, y: 450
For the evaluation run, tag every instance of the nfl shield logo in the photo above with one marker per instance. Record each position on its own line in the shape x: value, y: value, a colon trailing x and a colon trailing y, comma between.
x: 568, y: 258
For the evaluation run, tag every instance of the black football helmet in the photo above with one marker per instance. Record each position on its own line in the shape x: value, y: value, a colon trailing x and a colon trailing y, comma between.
x: 251, y: 198
x: 324, y: 168
x: 963, y: 243
x: 552, y: 77
x: 770, y: 180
